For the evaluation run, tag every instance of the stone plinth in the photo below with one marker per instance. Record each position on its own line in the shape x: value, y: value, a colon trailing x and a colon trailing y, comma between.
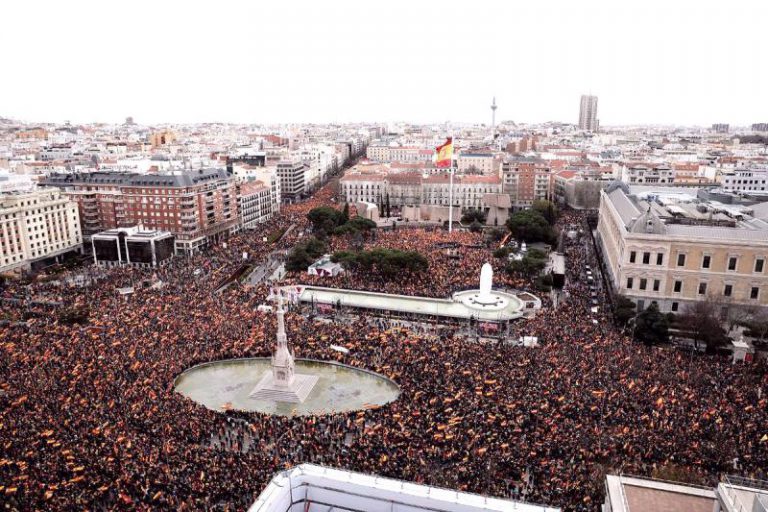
x: 296, y: 393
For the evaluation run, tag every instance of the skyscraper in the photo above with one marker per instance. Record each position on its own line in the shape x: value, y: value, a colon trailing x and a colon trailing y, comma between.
x: 588, y: 113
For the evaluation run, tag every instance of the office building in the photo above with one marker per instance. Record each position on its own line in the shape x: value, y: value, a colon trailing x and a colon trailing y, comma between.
x: 134, y: 246
x: 721, y: 127
x: 588, y: 114
x: 292, y: 175
x: 35, y: 226
x: 667, y: 247
x: 760, y: 127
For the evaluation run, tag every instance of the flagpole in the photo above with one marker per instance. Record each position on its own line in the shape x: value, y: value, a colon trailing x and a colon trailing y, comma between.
x: 450, y: 187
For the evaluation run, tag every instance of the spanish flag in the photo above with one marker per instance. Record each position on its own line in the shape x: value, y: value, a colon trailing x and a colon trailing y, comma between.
x: 444, y: 154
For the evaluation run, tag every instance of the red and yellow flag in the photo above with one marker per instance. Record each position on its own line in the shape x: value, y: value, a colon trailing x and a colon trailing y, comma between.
x: 444, y: 154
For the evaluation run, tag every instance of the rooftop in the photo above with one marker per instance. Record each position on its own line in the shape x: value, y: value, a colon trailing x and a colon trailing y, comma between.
x: 677, y: 213
x: 180, y: 178
x: 311, y: 488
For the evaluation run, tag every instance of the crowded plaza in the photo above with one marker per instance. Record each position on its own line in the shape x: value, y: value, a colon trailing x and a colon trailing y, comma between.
x: 89, y: 418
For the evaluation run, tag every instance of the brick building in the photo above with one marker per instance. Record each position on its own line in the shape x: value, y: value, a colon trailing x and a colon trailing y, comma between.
x: 195, y: 206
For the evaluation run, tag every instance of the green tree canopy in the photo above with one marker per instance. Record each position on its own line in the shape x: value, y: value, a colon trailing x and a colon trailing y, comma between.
x: 547, y: 209
x: 388, y: 263
x: 651, y: 327
x: 473, y: 215
x: 623, y: 309
x: 304, y: 254
x: 531, y: 226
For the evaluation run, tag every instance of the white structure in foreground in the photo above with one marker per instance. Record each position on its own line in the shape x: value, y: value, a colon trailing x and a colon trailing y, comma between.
x: 282, y: 384
x: 310, y: 488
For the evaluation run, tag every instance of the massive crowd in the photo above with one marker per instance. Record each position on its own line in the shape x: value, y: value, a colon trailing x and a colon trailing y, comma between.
x: 89, y: 418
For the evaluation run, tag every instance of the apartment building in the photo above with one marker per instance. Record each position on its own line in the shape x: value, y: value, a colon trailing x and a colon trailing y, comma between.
x: 744, y: 179
x: 255, y: 203
x: 666, y: 248
x: 35, y: 226
x: 292, y: 175
x: 526, y: 180
x: 478, y: 163
x: 647, y: 173
x: 196, y: 206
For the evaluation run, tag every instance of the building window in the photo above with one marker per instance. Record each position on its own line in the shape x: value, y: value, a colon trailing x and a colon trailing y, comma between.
x: 706, y: 261
x: 675, y: 306
x: 681, y: 260
x: 732, y: 263
x: 754, y: 292
x: 656, y: 285
x: 630, y: 282
x: 728, y: 290
x: 646, y: 258
x: 643, y: 283
x: 660, y: 259
x: 759, y: 264
x: 702, y: 288
x: 632, y: 256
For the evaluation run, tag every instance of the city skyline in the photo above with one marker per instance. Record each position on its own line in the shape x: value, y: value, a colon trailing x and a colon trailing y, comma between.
x: 309, y: 63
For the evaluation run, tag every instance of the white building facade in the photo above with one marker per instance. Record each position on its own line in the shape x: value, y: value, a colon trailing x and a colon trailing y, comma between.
x: 35, y: 226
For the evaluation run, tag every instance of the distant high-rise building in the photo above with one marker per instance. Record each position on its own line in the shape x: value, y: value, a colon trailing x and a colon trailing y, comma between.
x: 721, y: 127
x: 493, y: 118
x: 760, y: 127
x: 588, y: 114
x: 129, y: 121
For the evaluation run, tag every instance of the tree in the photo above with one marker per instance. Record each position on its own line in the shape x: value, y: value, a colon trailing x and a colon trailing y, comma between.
x: 547, y: 209
x: 325, y: 219
x: 475, y: 227
x: 530, y: 226
x: 701, y: 322
x: 304, y: 254
x: 651, y: 326
x: 530, y: 264
x: 389, y: 212
x: 501, y: 252
x: 345, y: 213
x: 623, y: 309
x: 473, y: 215
x: 388, y: 263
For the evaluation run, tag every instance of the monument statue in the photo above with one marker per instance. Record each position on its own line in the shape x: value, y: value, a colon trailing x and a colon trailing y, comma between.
x: 283, y: 384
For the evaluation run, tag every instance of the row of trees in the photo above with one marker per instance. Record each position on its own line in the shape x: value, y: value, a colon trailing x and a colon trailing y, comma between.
x: 700, y: 322
x: 385, y: 262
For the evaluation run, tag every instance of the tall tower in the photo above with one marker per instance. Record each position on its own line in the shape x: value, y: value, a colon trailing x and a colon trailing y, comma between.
x: 493, y: 119
x: 588, y: 113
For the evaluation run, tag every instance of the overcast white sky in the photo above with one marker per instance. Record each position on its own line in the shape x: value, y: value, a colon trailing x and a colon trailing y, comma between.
x: 656, y: 62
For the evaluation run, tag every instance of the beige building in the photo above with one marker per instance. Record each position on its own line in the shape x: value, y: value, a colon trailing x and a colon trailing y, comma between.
x: 478, y: 163
x: 413, y: 189
x: 35, y: 226
x: 667, y: 248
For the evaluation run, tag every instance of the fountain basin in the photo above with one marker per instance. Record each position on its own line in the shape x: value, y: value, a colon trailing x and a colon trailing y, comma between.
x: 226, y: 384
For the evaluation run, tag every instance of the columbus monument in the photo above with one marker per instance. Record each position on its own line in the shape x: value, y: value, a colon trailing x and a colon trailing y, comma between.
x: 282, y: 383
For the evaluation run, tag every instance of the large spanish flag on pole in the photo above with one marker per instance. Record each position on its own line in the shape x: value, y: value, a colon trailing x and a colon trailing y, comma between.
x: 444, y: 154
